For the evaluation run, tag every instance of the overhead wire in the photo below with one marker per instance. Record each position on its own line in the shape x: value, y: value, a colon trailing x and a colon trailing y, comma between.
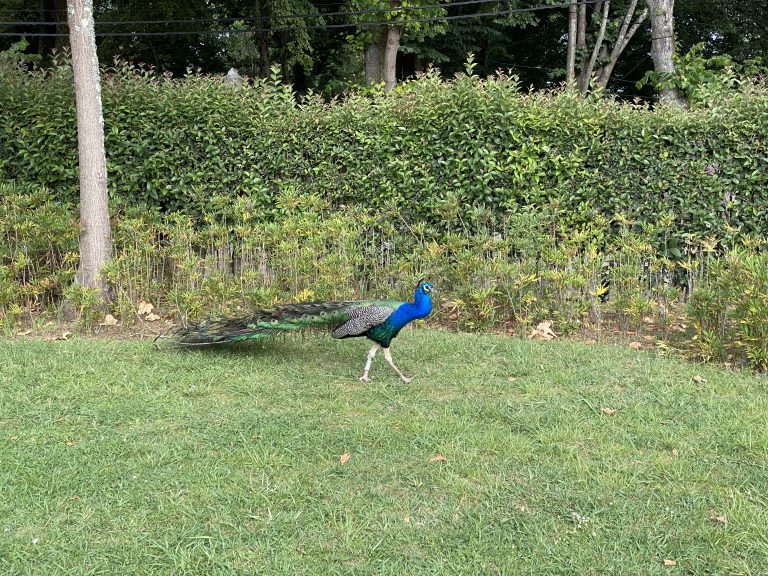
x: 276, y: 16
x: 296, y: 28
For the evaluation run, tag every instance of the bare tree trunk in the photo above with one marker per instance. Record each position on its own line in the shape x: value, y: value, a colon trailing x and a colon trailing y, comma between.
x: 390, y: 58
x: 374, y: 57
x: 663, y: 46
x: 586, y: 74
x: 581, y: 41
x: 570, y: 58
x: 602, y: 56
x: 390, y: 51
x: 600, y: 52
x: 626, y: 32
x: 261, y: 40
x: 95, y: 231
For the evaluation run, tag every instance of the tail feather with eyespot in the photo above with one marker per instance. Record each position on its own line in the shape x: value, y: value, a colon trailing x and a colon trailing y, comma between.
x: 265, y: 322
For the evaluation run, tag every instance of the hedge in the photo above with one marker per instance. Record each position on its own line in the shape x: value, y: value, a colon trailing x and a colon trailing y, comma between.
x: 453, y: 155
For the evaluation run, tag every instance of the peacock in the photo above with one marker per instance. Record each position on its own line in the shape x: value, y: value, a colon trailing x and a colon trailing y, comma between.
x: 378, y: 320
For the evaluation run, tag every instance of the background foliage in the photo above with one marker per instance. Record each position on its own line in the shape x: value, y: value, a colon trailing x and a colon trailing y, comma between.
x: 330, y: 60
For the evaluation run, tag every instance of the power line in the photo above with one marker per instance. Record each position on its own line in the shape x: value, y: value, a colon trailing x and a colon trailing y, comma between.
x: 310, y: 27
x: 340, y: 2
x: 270, y: 17
x: 132, y: 10
x: 624, y: 78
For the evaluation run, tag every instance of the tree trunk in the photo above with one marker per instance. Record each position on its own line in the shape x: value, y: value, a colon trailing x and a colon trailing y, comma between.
x: 390, y: 57
x: 586, y: 73
x: 663, y: 46
x: 95, y: 232
x: 600, y: 53
x: 581, y: 40
x: 570, y: 58
x: 261, y: 40
x: 626, y: 32
x: 390, y: 51
x: 374, y: 57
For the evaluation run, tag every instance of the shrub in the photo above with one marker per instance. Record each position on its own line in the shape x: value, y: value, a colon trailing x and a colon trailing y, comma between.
x: 38, y: 249
x: 729, y: 312
x: 458, y: 156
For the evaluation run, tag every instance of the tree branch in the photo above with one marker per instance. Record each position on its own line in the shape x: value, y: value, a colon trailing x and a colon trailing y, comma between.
x: 598, y: 43
x: 625, y: 35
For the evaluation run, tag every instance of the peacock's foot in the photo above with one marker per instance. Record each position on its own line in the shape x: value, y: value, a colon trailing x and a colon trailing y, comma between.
x: 365, y: 378
x: 406, y: 379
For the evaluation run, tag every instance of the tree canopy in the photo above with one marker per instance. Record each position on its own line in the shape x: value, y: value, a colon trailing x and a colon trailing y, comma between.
x: 322, y: 44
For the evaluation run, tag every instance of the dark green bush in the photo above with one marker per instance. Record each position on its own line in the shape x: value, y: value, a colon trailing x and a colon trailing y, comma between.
x: 456, y: 155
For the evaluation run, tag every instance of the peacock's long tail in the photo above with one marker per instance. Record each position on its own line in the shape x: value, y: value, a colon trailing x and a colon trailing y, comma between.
x: 263, y: 322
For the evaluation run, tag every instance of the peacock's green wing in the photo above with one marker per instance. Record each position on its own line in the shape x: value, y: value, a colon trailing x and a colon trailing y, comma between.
x: 365, y: 316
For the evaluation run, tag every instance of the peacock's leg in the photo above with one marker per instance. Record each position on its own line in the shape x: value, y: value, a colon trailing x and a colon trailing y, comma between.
x: 388, y: 358
x: 371, y: 354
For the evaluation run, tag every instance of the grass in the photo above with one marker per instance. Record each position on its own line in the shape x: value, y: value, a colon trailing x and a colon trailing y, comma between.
x: 116, y: 458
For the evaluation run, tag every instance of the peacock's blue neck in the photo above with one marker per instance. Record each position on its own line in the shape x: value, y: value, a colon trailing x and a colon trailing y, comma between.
x: 409, y: 311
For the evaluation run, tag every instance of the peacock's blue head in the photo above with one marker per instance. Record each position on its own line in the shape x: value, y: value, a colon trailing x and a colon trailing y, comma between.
x: 422, y: 299
x: 423, y: 288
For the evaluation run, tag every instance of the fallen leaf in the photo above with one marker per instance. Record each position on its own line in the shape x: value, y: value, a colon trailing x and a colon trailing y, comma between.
x: 438, y: 458
x: 543, y: 331
x: 14, y: 437
x: 675, y: 452
x: 145, y: 308
x: 109, y: 320
x: 152, y: 317
x: 254, y: 438
x: 608, y: 411
x: 74, y: 497
x: 407, y: 519
x: 344, y: 458
x: 635, y: 345
x: 668, y: 562
x: 301, y: 550
x: 512, y: 378
x: 718, y: 518
x: 699, y: 379
x: 63, y: 336
x: 24, y: 333
x: 70, y: 443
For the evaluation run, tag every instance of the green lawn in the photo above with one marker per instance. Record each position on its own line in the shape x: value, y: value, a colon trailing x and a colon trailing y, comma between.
x: 116, y: 458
